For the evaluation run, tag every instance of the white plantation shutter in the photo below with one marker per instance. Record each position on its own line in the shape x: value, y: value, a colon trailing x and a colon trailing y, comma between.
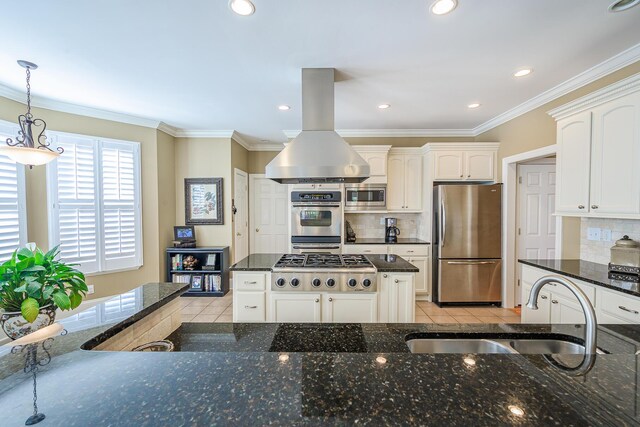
x: 13, y: 227
x: 120, y: 205
x: 94, y: 193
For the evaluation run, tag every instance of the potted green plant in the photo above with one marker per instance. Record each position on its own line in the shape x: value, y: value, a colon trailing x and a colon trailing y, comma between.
x: 32, y: 285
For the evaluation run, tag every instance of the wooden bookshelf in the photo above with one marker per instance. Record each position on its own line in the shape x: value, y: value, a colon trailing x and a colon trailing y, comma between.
x: 221, y: 268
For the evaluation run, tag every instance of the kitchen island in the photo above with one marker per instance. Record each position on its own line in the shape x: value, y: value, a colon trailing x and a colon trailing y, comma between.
x: 315, y: 374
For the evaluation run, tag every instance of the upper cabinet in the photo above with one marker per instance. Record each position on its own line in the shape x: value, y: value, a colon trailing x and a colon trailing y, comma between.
x: 599, y: 153
x: 404, y: 181
x: 464, y: 162
x: 376, y: 156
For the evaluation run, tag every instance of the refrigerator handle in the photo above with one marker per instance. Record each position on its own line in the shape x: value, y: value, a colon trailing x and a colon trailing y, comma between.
x: 471, y: 262
x: 443, y: 220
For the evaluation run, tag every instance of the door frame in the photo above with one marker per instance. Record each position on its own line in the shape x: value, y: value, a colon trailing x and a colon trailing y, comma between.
x: 240, y: 172
x: 509, y: 222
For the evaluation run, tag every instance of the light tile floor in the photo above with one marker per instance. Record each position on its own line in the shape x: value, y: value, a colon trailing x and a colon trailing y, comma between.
x: 210, y: 309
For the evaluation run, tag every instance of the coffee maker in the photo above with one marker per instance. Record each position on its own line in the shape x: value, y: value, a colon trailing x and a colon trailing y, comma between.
x: 391, y: 232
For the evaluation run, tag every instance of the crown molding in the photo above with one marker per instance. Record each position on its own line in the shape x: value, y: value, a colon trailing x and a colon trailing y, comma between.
x: 394, y: 133
x: 616, y: 90
x: 168, y: 129
x: 602, y: 69
x: 371, y: 148
x: 436, y: 146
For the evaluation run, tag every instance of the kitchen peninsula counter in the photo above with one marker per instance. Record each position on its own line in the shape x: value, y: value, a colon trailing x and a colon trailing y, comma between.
x: 319, y: 374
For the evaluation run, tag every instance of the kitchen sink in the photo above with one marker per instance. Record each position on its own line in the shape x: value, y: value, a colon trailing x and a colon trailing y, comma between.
x: 455, y: 345
x: 535, y: 346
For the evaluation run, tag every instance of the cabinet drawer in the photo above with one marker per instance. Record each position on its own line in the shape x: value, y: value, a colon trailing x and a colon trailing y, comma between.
x: 249, y: 281
x: 409, y: 250
x: 250, y: 307
x: 531, y: 275
x: 620, y: 305
x: 365, y: 249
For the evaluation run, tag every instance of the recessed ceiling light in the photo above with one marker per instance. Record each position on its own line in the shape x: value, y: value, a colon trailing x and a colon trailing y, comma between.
x: 621, y: 5
x: 242, y: 7
x: 516, y: 410
x: 283, y: 107
x: 523, y: 72
x: 474, y: 105
x: 442, y: 7
x: 384, y: 106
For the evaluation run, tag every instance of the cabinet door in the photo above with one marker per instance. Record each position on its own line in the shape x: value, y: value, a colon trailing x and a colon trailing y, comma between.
x: 298, y: 187
x: 354, y: 307
x: 448, y: 165
x: 573, y: 158
x: 542, y: 314
x: 327, y: 186
x: 480, y: 165
x: 295, y: 307
x: 615, y: 157
x: 413, y: 182
x: 395, y: 182
x: 377, y: 163
x: 364, y: 249
x: 403, y: 308
x: 249, y: 307
x: 564, y: 310
x: 421, y: 277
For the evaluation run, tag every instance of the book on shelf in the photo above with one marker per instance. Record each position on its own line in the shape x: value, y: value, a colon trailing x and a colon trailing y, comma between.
x: 181, y: 278
x: 212, y: 283
x: 176, y: 262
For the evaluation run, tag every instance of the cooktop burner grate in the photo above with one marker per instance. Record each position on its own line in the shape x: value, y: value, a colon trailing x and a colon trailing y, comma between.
x: 322, y: 261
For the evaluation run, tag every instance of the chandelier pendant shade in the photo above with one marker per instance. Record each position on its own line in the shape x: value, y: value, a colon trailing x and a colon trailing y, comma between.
x: 30, y: 146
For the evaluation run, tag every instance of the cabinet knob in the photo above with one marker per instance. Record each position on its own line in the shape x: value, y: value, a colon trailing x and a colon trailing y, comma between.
x: 553, y: 301
x: 317, y: 300
x: 543, y: 297
x: 385, y: 276
x: 257, y: 230
x: 396, y: 280
x: 250, y: 306
x: 461, y: 176
x: 594, y: 206
x: 468, y: 176
x: 580, y: 206
x: 330, y: 299
x: 238, y: 234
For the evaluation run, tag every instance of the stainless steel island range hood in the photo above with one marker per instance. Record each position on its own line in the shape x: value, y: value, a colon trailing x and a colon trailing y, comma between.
x: 318, y: 154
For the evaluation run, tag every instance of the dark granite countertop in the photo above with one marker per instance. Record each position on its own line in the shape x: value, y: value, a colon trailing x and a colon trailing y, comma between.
x: 384, y: 263
x: 590, y: 272
x: 380, y: 241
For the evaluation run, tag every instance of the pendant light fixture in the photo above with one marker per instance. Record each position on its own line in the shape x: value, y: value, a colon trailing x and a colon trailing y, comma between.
x: 30, y: 146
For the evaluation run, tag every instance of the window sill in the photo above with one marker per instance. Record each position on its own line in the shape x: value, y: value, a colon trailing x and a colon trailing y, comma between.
x: 119, y: 270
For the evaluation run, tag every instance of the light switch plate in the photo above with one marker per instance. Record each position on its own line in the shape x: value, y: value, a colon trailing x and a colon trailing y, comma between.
x: 606, y: 235
x: 593, y: 233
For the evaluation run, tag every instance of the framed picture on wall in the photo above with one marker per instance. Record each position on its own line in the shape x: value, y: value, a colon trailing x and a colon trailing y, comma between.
x: 203, y: 201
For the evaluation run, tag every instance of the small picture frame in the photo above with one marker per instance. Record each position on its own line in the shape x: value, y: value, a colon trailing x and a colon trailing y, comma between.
x: 196, y: 283
x: 211, y: 262
x: 183, y: 233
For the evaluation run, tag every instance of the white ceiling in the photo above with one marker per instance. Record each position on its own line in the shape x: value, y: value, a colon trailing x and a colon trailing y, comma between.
x: 202, y: 67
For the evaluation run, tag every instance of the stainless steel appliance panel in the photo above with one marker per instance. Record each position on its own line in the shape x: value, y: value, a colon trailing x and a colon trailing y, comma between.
x: 365, y: 197
x: 466, y: 280
x: 469, y: 221
x: 314, y: 248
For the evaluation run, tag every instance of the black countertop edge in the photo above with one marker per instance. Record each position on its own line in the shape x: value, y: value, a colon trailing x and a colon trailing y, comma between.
x: 124, y: 324
x: 590, y: 272
x: 383, y: 263
x: 381, y: 241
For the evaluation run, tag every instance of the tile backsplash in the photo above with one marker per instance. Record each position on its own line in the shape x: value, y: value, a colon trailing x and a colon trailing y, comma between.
x: 599, y: 250
x: 369, y: 226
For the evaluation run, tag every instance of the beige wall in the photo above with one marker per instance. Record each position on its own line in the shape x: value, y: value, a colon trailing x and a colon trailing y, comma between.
x: 259, y: 159
x: 105, y: 284
x: 205, y: 158
x: 166, y: 195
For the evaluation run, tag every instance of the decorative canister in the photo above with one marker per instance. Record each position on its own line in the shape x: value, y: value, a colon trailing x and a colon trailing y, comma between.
x: 16, y: 326
x: 625, y: 256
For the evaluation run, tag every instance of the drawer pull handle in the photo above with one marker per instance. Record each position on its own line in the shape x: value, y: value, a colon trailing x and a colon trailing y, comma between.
x: 553, y: 301
x: 543, y: 297
x: 251, y: 306
x: 367, y: 250
x: 410, y: 252
x: 250, y: 283
x: 623, y: 308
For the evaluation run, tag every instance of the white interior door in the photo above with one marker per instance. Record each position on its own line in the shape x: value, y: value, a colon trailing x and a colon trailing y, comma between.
x: 536, y: 205
x: 269, y: 213
x: 241, y: 215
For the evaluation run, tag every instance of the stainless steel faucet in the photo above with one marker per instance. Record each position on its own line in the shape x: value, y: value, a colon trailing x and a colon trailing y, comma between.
x: 591, y: 327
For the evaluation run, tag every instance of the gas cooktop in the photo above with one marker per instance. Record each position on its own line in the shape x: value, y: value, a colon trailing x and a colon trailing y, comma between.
x: 306, y: 261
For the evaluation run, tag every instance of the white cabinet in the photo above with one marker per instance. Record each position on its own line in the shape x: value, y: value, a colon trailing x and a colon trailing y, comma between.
x: 396, y: 298
x: 328, y: 187
x: 542, y: 314
x: 615, y: 307
x: 598, y: 157
x: 404, y: 182
x: 364, y: 249
x: 250, y: 296
x: 300, y: 307
x: 422, y: 277
x: 357, y: 307
x: 376, y: 157
x: 464, y: 164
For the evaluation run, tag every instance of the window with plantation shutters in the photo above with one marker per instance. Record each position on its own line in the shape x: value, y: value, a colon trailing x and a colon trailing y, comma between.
x: 13, y: 227
x: 94, y: 194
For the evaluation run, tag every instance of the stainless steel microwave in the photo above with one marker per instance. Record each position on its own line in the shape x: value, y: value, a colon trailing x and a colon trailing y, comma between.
x: 365, y: 197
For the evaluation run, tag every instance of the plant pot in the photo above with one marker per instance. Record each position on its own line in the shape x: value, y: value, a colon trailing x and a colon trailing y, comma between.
x: 16, y: 326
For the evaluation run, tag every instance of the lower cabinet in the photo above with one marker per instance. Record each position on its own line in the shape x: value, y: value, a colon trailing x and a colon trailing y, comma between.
x: 250, y: 296
x: 423, y: 276
x: 355, y: 307
x: 298, y: 307
x: 396, y: 293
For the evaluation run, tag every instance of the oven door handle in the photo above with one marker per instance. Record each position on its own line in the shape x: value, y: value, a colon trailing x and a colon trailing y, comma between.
x: 315, y: 205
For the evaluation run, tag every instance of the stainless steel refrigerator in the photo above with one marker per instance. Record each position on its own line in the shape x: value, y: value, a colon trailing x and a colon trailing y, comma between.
x: 467, y: 243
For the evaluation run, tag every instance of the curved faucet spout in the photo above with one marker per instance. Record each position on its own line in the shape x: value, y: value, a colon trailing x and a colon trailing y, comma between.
x: 591, y: 327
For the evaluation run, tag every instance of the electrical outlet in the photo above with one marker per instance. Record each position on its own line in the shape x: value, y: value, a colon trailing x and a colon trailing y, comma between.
x: 593, y: 233
x: 606, y: 235
x: 91, y: 289
x: 381, y: 221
